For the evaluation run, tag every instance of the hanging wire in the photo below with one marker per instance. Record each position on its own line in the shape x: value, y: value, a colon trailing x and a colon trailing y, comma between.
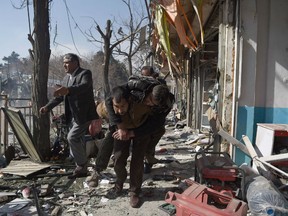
x: 69, y: 24
x: 28, y: 14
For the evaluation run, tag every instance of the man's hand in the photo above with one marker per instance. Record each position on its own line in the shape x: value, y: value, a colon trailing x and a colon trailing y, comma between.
x: 95, y: 127
x: 61, y: 91
x: 43, y: 110
x: 121, y: 134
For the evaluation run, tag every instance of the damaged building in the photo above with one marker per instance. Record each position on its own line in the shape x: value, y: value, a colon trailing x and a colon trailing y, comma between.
x: 228, y: 61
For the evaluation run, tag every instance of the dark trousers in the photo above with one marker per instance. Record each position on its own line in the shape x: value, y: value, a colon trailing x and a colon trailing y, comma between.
x: 121, y: 154
x: 105, y: 151
x: 152, y: 141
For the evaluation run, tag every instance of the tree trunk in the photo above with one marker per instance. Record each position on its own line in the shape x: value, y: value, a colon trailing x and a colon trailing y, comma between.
x: 107, y: 54
x: 41, y: 55
x: 130, y: 66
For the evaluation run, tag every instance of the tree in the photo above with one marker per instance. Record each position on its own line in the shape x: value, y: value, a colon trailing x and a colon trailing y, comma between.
x: 12, y: 63
x: 109, y: 46
x: 40, y: 40
x: 137, y: 43
x: 117, y: 73
x: 13, y: 83
x: 108, y: 49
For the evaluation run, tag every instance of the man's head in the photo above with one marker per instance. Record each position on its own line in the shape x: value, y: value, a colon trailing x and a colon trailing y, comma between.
x: 70, y: 62
x: 120, y: 99
x: 147, y: 71
x: 158, y: 96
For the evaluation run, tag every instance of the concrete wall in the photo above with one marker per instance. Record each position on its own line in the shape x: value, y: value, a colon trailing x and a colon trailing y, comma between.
x: 263, y: 86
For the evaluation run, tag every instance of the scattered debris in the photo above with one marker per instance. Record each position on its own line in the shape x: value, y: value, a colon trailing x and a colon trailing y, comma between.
x: 19, y: 207
x: 173, y: 176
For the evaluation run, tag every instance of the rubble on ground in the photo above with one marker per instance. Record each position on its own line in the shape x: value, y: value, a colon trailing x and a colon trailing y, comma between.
x: 50, y: 192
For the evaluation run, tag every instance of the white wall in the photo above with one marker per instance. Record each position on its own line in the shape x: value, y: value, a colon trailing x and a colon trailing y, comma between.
x: 265, y: 53
x: 277, y: 66
x: 248, y: 28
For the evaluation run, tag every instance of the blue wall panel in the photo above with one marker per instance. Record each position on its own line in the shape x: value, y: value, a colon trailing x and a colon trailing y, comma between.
x: 245, y: 126
x: 247, y: 120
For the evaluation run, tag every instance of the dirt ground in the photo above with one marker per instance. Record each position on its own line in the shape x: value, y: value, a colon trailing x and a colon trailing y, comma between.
x: 54, y: 194
x: 73, y: 197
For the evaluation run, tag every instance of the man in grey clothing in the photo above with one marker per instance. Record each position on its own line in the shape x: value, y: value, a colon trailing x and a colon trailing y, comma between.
x: 77, y: 93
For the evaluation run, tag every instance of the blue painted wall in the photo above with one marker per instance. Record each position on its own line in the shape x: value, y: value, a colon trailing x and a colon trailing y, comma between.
x: 261, y: 92
x: 247, y: 120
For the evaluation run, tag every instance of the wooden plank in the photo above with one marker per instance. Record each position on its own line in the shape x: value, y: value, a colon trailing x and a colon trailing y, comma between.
x: 22, y: 132
x: 260, y: 163
x: 275, y: 158
x: 250, y: 147
x: 24, y: 167
x: 233, y: 141
x: 272, y: 167
x: 8, y: 194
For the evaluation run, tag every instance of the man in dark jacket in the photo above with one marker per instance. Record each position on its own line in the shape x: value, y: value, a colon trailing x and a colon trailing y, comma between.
x: 159, y: 131
x: 131, y: 113
x: 77, y: 93
x: 149, y: 71
x: 144, y: 91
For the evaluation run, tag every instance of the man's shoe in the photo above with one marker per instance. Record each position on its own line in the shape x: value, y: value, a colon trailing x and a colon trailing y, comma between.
x: 80, y: 171
x: 147, y: 168
x: 115, y: 191
x: 151, y: 159
x: 93, y: 179
x: 134, y: 201
x: 111, y: 161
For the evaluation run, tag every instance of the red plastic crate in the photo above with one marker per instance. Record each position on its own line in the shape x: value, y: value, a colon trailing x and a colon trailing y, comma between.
x: 199, y: 200
x: 215, y: 166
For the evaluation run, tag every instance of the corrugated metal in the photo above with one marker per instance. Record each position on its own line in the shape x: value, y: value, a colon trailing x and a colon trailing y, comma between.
x: 24, y: 167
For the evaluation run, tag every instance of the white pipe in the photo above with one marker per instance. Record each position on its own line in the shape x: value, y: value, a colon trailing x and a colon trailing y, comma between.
x: 225, y: 62
x: 237, y: 72
x: 235, y: 77
x: 240, y: 67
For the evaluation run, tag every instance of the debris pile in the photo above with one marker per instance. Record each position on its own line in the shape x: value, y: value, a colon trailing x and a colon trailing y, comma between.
x: 189, y: 178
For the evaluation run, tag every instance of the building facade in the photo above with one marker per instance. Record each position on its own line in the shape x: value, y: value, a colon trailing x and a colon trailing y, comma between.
x: 229, y: 64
